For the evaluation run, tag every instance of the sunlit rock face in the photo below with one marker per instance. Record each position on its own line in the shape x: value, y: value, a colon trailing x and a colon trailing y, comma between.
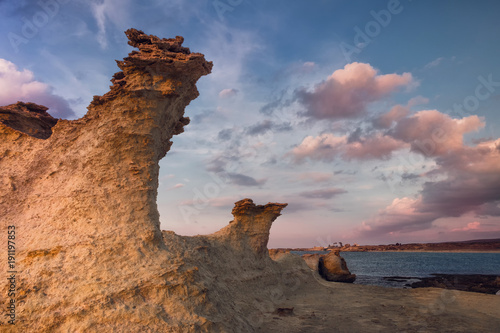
x: 90, y: 255
x: 332, y: 267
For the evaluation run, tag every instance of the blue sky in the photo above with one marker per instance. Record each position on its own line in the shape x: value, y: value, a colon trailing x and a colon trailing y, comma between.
x: 377, y: 121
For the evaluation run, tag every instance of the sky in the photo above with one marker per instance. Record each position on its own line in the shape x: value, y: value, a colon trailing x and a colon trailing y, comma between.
x: 376, y: 121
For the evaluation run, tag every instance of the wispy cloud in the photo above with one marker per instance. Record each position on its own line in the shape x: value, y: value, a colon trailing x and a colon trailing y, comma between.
x: 244, y: 180
x: 325, y: 193
x: 434, y: 63
x: 228, y: 93
x: 113, y: 11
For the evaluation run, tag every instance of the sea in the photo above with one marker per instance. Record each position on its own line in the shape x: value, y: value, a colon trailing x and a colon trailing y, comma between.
x: 374, y: 268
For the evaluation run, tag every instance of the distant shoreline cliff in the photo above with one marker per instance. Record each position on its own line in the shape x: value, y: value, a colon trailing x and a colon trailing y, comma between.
x: 478, y: 245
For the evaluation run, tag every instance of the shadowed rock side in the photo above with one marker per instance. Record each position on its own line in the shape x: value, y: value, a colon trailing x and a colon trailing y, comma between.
x: 29, y: 118
x: 332, y: 267
x: 82, y: 196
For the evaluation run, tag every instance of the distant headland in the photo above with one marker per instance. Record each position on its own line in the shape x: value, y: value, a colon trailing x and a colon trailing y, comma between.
x: 477, y: 245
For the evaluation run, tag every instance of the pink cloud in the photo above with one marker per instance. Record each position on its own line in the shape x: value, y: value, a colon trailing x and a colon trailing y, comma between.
x: 324, y: 147
x: 471, y: 186
x: 402, y: 215
x: 398, y: 112
x: 227, y: 93
x: 433, y: 133
x: 347, y: 92
x: 376, y: 146
x: 176, y: 186
x: 470, y: 226
x: 16, y: 85
x: 327, y: 147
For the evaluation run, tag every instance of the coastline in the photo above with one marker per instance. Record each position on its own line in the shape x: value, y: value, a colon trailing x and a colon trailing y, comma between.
x: 429, y: 251
x: 472, y: 246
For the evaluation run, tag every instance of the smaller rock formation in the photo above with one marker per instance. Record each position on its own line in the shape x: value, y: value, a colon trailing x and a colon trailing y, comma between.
x: 332, y: 267
x: 312, y: 260
x: 28, y: 118
x: 252, y: 222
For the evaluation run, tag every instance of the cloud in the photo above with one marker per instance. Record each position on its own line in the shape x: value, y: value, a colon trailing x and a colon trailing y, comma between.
x: 227, y: 93
x: 397, y: 112
x: 376, y: 146
x: 316, y: 177
x: 433, y: 133
x: 434, y: 63
x: 225, y: 134
x: 279, y: 102
x: 470, y: 226
x: 176, y: 186
x: 471, y: 185
x: 243, y: 180
x: 473, y: 180
x: 326, y: 193
x: 114, y: 11
x: 387, y: 119
x: 18, y: 85
x: 324, y: 147
x: 219, y: 202
x: 347, y: 92
x: 327, y: 147
x: 267, y: 125
x: 308, y: 66
x: 401, y: 216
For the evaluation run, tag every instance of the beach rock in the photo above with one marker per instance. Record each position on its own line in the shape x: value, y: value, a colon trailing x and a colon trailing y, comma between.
x: 81, y: 195
x: 486, y: 284
x: 276, y: 254
x: 312, y: 260
x: 332, y: 267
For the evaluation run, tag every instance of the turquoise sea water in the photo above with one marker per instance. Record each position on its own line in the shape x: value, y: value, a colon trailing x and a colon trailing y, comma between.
x: 372, y: 267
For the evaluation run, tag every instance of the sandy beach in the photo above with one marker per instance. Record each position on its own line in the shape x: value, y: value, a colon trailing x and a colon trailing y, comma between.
x: 321, y: 306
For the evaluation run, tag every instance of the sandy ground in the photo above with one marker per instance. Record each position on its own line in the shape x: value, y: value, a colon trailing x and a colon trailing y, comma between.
x: 321, y: 306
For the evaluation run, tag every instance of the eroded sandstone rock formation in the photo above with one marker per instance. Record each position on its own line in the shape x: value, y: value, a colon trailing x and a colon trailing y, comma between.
x: 82, y: 197
x: 332, y: 267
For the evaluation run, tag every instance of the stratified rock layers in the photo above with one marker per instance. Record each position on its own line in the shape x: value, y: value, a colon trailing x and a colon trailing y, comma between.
x: 82, y: 196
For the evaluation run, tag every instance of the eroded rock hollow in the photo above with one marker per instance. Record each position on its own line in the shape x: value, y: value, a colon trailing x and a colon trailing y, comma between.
x: 90, y: 255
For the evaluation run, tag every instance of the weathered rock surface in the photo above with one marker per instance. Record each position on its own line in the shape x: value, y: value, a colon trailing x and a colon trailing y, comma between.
x: 332, y: 267
x: 82, y: 197
x: 312, y: 260
x: 29, y: 118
